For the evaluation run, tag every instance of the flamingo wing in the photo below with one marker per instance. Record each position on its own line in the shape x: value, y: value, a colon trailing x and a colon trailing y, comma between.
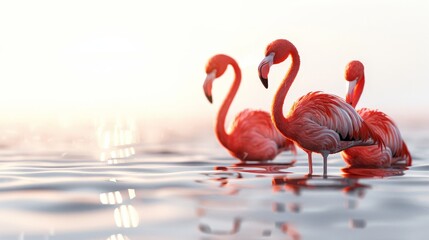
x: 325, y: 123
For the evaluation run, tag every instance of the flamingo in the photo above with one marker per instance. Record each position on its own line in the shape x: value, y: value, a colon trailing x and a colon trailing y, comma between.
x: 395, y: 151
x: 252, y: 135
x: 317, y: 122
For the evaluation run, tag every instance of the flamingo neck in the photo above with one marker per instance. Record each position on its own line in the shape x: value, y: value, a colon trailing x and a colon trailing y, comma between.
x: 279, y: 99
x: 221, y: 133
x: 358, y: 90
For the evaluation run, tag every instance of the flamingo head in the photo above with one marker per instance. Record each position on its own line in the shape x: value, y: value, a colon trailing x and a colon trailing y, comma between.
x: 215, y: 67
x: 276, y: 52
x: 354, y: 74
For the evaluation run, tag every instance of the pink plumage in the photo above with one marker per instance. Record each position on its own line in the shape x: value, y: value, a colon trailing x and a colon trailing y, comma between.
x: 252, y: 135
x: 395, y: 150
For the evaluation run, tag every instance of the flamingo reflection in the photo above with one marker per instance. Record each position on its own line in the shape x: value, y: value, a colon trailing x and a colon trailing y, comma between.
x: 262, y: 168
x: 306, y: 182
x: 205, y: 228
x: 228, y: 214
x: 222, y: 178
x: 229, y: 177
x: 373, y: 172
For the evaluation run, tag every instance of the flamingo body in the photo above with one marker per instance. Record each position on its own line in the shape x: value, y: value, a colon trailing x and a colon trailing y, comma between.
x: 252, y: 135
x: 395, y: 150
x: 325, y: 124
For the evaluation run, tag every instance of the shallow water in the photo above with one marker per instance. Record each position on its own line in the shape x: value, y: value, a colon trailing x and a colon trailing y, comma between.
x: 194, y: 190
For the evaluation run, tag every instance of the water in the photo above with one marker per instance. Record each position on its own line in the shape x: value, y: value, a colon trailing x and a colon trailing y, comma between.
x: 192, y: 189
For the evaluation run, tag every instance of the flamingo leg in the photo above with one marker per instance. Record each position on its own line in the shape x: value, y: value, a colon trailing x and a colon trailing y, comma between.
x: 310, y: 163
x: 325, y: 164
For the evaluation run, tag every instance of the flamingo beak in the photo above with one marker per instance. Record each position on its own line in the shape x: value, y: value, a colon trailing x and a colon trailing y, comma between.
x: 264, y: 82
x: 350, y: 92
x: 208, y: 85
x: 264, y: 69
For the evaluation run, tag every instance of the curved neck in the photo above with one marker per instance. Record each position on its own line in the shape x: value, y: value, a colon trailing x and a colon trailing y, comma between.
x: 221, y: 133
x: 357, y: 92
x: 279, y: 99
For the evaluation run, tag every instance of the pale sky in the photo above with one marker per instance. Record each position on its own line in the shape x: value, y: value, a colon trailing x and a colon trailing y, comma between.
x: 75, y: 58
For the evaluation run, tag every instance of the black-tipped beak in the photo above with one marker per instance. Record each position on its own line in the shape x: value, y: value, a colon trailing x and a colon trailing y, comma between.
x: 208, y: 85
x: 209, y: 97
x: 264, y: 68
x: 264, y: 82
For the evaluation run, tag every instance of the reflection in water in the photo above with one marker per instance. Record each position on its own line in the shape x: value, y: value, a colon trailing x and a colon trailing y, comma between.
x: 354, y: 172
x: 357, y: 223
x: 118, y: 237
x: 220, y: 178
x: 231, y: 213
x: 205, y: 228
x: 126, y: 216
x: 111, y: 198
x: 262, y: 168
x: 359, y: 173
x: 115, y: 197
x: 297, y: 184
x: 51, y: 233
x: 116, y: 142
x: 289, y: 230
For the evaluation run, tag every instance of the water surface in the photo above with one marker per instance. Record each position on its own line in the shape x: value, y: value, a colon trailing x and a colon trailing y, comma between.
x: 192, y: 189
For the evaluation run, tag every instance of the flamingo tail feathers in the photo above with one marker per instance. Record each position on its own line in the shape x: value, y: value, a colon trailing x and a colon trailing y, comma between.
x: 374, y: 136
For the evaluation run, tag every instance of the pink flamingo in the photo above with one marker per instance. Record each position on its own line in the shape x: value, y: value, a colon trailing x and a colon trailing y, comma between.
x: 395, y: 151
x: 252, y: 135
x: 317, y: 122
